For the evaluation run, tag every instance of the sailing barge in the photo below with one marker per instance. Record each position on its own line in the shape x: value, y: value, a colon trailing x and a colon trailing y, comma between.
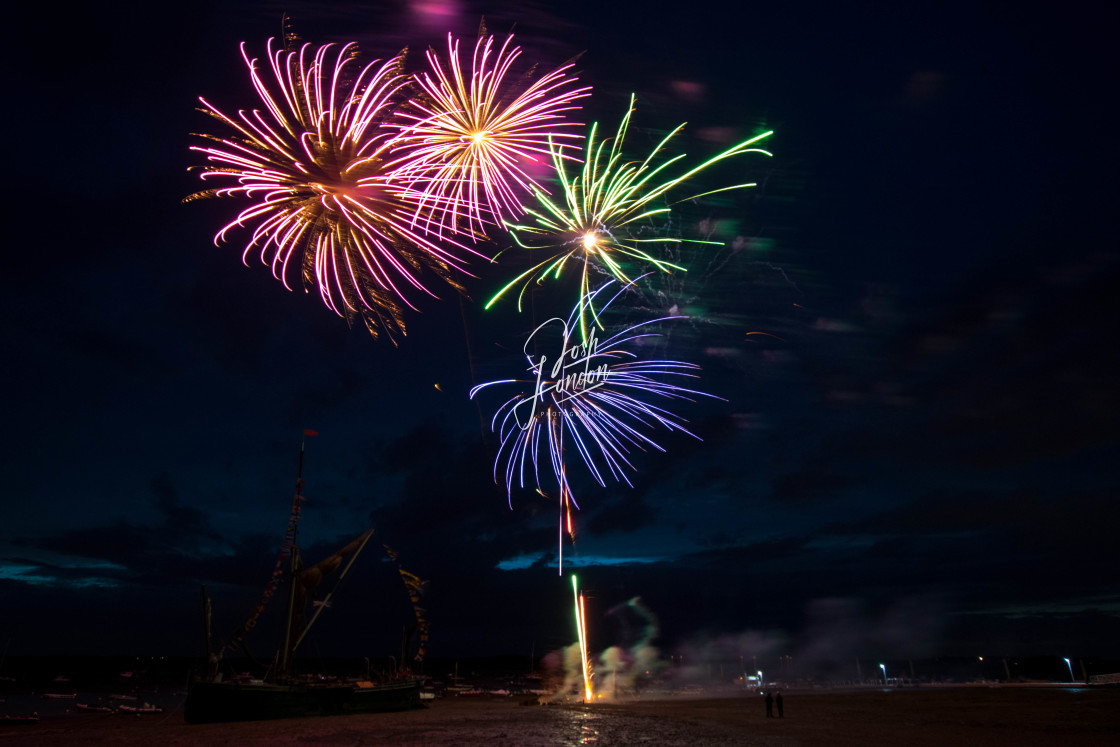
x: 209, y: 702
x: 283, y: 695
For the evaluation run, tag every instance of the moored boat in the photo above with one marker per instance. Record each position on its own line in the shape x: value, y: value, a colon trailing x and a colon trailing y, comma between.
x: 140, y: 709
x: 95, y: 708
x: 233, y: 701
x: 19, y: 720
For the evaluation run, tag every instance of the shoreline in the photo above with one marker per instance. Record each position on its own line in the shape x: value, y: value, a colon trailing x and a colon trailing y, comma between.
x: 993, y: 715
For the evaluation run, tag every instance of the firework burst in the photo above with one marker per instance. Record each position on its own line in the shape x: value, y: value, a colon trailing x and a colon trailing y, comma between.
x: 473, y: 129
x: 326, y: 204
x: 605, y: 218
x: 594, y: 397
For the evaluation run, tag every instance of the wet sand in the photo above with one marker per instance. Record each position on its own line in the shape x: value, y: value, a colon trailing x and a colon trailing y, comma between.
x: 1020, y: 716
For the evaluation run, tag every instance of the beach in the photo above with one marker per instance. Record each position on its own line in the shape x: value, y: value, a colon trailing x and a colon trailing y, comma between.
x: 974, y: 715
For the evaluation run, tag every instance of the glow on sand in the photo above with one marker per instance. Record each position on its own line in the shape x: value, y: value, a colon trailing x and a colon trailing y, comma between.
x: 581, y: 628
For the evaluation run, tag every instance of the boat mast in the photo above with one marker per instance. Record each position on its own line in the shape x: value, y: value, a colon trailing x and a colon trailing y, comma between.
x: 206, y: 623
x: 294, y: 567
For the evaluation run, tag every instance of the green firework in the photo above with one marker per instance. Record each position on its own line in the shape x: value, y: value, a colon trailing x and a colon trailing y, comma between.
x: 600, y: 223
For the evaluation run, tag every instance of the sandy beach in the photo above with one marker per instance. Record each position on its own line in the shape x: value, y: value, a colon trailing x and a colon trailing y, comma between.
x: 975, y: 715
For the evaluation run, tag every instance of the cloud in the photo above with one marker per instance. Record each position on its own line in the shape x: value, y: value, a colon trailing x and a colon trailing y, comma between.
x: 626, y: 513
x: 124, y: 551
x: 807, y: 485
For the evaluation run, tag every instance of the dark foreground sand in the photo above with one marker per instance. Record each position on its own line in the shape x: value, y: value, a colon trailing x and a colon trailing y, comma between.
x: 1019, y: 716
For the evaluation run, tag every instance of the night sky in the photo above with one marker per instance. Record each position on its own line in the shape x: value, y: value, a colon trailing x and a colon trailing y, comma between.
x: 916, y: 458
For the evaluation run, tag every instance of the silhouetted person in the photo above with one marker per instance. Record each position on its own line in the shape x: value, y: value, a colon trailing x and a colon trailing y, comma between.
x: 778, y: 702
x: 769, y: 706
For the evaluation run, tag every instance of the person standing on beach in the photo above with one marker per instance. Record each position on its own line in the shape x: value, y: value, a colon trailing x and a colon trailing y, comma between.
x: 778, y: 702
x: 769, y: 706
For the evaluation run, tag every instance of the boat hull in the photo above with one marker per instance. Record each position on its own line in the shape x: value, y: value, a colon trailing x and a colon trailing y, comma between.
x: 209, y: 702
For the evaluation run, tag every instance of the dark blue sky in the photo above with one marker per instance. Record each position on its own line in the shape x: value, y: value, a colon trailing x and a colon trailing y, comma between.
x: 919, y: 459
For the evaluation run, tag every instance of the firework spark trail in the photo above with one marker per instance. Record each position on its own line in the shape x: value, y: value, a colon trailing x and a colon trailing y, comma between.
x: 581, y: 629
x: 472, y: 130
x: 326, y: 204
x: 593, y: 397
x: 605, y: 205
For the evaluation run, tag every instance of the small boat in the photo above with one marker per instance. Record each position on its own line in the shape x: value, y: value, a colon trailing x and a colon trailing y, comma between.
x: 95, y: 708
x: 60, y: 696
x: 19, y: 720
x: 140, y: 709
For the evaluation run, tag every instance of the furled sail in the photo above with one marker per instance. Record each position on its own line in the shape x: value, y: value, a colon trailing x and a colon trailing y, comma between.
x: 414, y: 585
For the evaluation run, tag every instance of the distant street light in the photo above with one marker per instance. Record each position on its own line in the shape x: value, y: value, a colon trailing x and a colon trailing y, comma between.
x: 884, y: 668
x: 1070, y: 669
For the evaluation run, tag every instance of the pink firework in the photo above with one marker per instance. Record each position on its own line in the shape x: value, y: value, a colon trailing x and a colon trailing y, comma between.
x: 326, y: 203
x: 473, y: 136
